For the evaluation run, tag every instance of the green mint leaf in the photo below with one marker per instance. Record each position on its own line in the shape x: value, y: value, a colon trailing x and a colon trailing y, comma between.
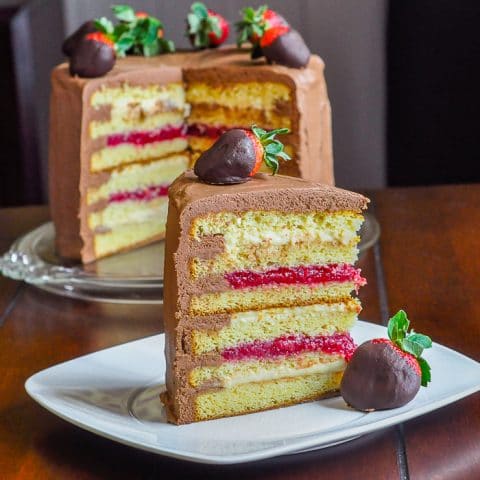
x: 398, y: 326
x: 426, y: 371
x: 125, y: 43
x: 410, y: 347
x: 423, y: 340
x: 124, y: 13
x: 193, y: 22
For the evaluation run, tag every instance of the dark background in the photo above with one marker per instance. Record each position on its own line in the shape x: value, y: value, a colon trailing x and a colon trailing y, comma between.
x: 432, y: 52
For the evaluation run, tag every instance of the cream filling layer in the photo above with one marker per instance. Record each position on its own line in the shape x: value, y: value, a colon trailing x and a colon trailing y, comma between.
x: 278, y: 228
x: 230, y: 374
x: 127, y: 213
x: 140, y: 176
x: 121, y: 124
x: 125, y: 154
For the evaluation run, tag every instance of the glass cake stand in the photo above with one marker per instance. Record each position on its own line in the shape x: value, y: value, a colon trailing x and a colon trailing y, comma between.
x: 132, y: 277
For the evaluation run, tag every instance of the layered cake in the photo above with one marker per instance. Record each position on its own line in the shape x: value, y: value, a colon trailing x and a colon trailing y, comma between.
x: 258, y: 293
x: 122, y: 129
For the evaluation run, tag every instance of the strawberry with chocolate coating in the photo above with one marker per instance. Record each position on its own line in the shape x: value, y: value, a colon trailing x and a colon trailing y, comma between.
x: 71, y: 42
x: 285, y: 46
x: 206, y: 28
x: 254, y: 23
x: 93, y: 56
x: 387, y: 373
x: 238, y: 155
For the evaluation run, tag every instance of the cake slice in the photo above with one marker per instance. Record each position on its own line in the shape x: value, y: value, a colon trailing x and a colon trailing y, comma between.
x: 258, y: 294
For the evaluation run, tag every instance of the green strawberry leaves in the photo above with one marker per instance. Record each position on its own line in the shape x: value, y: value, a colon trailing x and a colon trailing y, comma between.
x: 252, y: 24
x: 136, y: 34
x: 200, y: 24
x: 410, y: 342
x: 272, y: 148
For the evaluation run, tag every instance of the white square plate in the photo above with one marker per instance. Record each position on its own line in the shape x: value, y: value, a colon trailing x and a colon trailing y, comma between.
x: 115, y: 393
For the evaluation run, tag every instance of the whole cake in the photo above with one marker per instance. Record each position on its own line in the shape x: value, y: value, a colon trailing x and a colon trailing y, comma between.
x: 121, y: 131
x: 257, y: 298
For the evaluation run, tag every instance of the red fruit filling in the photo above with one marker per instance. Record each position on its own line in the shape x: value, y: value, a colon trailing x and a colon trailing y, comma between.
x: 169, y: 132
x: 410, y: 359
x: 304, y: 275
x: 336, y: 344
x: 202, y: 130
x: 141, y: 194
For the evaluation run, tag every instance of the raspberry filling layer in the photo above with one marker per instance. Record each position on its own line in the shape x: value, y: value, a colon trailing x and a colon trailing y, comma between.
x: 143, y: 137
x: 202, y: 130
x: 140, y: 195
x: 300, y: 275
x: 287, y: 345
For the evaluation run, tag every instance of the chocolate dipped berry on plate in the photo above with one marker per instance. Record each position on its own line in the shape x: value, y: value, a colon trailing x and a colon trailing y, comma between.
x: 387, y: 373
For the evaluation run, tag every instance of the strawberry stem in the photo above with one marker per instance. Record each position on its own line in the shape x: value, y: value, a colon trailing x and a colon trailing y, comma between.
x: 272, y: 148
x: 410, y: 342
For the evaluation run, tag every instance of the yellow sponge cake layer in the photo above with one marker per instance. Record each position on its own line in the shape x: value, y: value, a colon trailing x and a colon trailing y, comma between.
x: 125, y: 236
x: 254, y: 227
x: 318, y: 319
x: 115, y: 125
x: 128, y: 213
x: 256, y: 396
x: 242, y: 300
x: 139, y: 175
x: 127, y: 101
x: 229, y: 117
x: 257, y: 95
x: 266, y: 255
x: 230, y: 374
x: 124, y: 154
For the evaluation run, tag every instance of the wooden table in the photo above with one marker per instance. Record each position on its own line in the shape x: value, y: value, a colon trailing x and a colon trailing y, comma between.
x: 427, y: 262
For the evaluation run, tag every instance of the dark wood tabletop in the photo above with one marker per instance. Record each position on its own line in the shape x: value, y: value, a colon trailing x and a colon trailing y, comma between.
x: 427, y: 262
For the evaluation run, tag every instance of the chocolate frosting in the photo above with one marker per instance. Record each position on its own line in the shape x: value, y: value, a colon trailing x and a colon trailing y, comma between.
x: 230, y: 159
x: 378, y: 378
x: 91, y: 58
x: 289, y: 50
x: 71, y: 42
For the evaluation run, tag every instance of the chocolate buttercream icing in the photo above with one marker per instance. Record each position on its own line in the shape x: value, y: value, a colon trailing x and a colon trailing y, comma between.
x: 190, y: 198
x: 70, y: 145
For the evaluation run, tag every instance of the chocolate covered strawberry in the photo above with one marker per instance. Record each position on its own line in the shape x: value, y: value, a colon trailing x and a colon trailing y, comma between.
x: 206, y: 28
x: 387, y: 373
x: 93, y: 56
x: 285, y: 46
x: 254, y: 23
x: 238, y: 155
x: 71, y: 42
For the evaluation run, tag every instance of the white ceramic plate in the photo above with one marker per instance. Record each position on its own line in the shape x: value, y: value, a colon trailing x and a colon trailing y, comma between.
x: 114, y: 393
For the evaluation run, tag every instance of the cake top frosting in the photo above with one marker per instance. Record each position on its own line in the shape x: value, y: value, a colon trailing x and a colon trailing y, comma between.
x: 262, y: 192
